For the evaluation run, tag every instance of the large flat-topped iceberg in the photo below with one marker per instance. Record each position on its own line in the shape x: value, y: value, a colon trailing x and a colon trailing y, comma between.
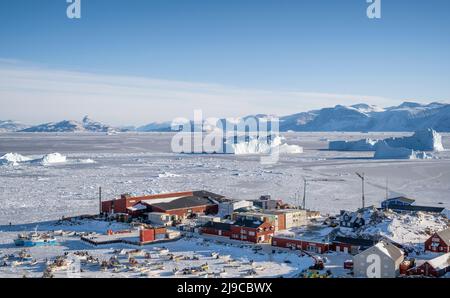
x: 384, y: 151
x: 423, y: 140
x: 360, y: 145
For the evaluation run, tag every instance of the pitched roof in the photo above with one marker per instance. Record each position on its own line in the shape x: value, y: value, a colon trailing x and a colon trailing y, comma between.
x: 389, y: 249
x: 181, y: 203
x: 444, y: 235
x: 441, y: 262
x: 417, y: 208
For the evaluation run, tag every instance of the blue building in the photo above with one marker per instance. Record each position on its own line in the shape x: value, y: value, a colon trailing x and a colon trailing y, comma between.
x: 398, y: 201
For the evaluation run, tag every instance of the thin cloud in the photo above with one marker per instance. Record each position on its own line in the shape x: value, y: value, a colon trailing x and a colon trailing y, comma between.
x: 34, y: 94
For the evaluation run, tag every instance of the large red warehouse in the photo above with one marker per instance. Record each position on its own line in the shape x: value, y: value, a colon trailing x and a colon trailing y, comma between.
x: 178, y: 203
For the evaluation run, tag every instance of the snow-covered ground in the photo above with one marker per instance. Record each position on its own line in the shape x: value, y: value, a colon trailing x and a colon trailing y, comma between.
x: 234, y: 259
x: 142, y: 163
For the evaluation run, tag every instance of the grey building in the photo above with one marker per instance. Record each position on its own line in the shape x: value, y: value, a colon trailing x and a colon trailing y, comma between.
x: 379, y: 261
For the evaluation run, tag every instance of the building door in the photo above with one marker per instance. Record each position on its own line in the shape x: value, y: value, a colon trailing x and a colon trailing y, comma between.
x: 338, y: 248
x: 220, y: 232
x: 346, y: 250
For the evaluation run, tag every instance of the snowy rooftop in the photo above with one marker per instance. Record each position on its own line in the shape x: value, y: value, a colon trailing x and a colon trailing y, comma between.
x: 438, y: 263
x: 316, y: 233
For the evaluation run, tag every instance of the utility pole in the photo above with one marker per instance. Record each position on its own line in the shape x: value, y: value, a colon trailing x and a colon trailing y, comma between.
x: 100, y: 199
x: 362, y: 181
x: 304, y: 193
x: 297, y: 199
x: 387, y: 188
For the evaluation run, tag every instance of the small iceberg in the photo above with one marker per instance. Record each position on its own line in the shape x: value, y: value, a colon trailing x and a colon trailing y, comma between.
x: 13, y: 159
x: 51, y: 159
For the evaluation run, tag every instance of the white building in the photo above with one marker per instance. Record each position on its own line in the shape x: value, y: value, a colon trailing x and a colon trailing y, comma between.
x: 294, y: 217
x: 379, y: 261
x: 203, y: 219
x: 161, y: 219
x: 227, y: 207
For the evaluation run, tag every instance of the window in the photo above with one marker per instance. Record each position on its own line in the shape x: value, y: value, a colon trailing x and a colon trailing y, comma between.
x: 251, y: 233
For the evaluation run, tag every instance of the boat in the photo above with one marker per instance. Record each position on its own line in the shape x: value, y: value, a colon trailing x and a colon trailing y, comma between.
x: 34, y: 239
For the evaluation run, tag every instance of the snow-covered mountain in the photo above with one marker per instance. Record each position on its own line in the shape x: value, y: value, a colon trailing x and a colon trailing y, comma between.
x: 94, y: 126
x: 155, y: 126
x: 11, y: 126
x: 86, y: 125
x: 408, y: 116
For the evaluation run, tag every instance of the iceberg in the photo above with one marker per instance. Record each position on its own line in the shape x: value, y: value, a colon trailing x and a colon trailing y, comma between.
x: 51, y: 159
x: 423, y: 140
x: 13, y: 159
x: 257, y: 145
x: 360, y: 145
x: 168, y: 175
x: 385, y: 151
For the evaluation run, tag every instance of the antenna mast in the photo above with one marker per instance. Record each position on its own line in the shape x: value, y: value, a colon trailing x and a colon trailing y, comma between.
x: 387, y: 188
x: 362, y: 181
x: 304, y: 193
x: 100, y: 199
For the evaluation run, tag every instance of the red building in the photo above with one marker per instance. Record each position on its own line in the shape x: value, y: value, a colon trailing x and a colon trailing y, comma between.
x: 252, y: 231
x: 217, y: 229
x: 181, y: 204
x: 316, y: 246
x: 436, y: 267
x: 122, y: 204
x: 152, y: 234
x: 185, y: 206
x: 351, y: 245
x: 439, y: 242
x: 242, y: 230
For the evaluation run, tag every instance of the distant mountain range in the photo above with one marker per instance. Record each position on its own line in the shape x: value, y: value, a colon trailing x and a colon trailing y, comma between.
x: 409, y: 116
x: 10, y: 125
x: 86, y: 125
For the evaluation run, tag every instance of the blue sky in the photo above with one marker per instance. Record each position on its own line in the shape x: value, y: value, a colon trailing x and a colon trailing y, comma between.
x: 234, y: 57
